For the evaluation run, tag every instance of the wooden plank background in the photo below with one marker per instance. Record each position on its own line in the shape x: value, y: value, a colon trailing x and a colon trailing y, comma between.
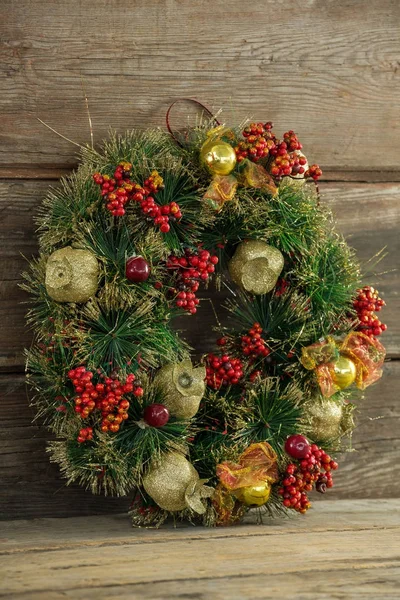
x: 329, y: 70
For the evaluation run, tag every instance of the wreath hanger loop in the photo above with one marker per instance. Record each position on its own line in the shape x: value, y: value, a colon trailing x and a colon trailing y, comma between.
x: 196, y: 102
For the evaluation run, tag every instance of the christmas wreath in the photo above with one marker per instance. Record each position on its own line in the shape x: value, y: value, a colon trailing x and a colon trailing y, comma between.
x: 126, y: 243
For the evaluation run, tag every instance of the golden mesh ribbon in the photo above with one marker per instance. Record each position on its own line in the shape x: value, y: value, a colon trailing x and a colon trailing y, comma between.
x: 221, y: 189
x: 367, y: 354
x: 257, y: 464
x: 255, y: 176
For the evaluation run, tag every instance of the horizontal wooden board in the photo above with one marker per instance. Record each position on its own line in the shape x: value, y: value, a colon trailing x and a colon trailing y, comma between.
x: 32, y: 487
x: 327, y: 69
x: 344, y: 550
x: 369, y: 214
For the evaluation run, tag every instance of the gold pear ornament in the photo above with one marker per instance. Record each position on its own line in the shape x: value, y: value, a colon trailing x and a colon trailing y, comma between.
x: 182, y: 387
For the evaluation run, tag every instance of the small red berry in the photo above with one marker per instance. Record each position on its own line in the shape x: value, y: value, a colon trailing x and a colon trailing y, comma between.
x: 137, y: 269
x: 156, y: 415
x: 297, y: 446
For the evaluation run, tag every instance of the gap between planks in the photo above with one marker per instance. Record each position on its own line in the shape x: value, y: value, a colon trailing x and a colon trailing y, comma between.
x: 47, y: 172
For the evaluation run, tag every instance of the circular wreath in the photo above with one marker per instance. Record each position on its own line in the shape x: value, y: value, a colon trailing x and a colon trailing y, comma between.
x: 126, y: 244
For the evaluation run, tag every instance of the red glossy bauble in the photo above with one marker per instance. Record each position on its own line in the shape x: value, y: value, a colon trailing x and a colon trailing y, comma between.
x: 137, y: 269
x: 156, y: 415
x: 297, y: 446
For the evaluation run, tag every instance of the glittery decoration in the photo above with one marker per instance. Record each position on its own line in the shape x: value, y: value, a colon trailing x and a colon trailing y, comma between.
x: 174, y: 484
x: 256, y: 266
x: 325, y: 419
x: 71, y: 275
x: 182, y: 388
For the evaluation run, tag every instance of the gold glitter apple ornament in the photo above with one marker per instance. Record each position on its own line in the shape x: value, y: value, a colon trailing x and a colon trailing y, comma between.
x: 256, y: 266
x: 71, y: 275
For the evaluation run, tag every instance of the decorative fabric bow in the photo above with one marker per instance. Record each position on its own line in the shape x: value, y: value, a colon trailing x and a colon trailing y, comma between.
x: 366, y: 353
x: 223, y: 186
x: 256, y: 465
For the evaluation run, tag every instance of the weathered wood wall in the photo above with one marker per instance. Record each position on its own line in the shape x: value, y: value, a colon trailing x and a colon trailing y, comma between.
x: 329, y: 70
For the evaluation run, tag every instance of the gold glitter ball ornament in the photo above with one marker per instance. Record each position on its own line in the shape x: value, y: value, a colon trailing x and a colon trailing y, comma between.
x: 254, y: 495
x: 182, y: 388
x: 256, y: 266
x: 344, y: 372
x: 218, y: 156
x: 174, y: 484
x: 324, y: 419
x: 71, y: 275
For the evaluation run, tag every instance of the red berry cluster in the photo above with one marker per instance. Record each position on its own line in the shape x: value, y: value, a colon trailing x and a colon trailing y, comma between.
x: 259, y: 142
x: 313, y: 172
x: 281, y: 287
x: 190, y: 270
x: 105, y: 396
x: 223, y: 370
x: 253, y: 345
x: 299, y: 478
x: 366, y: 304
x: 120, y: 190
x: 85, y: 435
x: 286, y: 157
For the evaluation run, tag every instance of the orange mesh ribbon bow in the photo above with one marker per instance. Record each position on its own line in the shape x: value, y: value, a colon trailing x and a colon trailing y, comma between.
x: 257, y: 464
x: 367, y: 354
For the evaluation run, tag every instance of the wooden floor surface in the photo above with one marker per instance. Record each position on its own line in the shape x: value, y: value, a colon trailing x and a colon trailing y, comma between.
x: 345, y: 549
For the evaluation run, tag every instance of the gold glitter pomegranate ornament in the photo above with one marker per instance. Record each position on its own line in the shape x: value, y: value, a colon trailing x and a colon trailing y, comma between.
x: 174, y: 484
x: 182, y: 388
x: 217, y: 155
x: 71, y: 275
x: 256, y: 266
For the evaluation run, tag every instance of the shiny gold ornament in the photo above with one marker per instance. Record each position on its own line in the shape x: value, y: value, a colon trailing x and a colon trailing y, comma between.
x: 71, y: 275
x: 256, y: 266
x: 254, y: 495
x: 174, y: 484
x: 182, y: 388
x: 215, y: 154
x: 344, y: 372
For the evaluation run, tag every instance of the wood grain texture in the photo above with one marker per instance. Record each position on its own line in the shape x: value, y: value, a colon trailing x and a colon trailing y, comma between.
x: 346, y: 551
x: 329, y: 69
x: 32, y: 487
x: 369, y: 214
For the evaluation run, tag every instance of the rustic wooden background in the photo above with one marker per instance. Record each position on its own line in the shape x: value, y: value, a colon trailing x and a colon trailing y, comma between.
x: 328, y: 69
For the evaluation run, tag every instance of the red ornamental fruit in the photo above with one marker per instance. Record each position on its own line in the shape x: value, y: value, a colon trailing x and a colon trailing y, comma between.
x: 156, y: 415
x: 297, y: 446
x: 137, y: 269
